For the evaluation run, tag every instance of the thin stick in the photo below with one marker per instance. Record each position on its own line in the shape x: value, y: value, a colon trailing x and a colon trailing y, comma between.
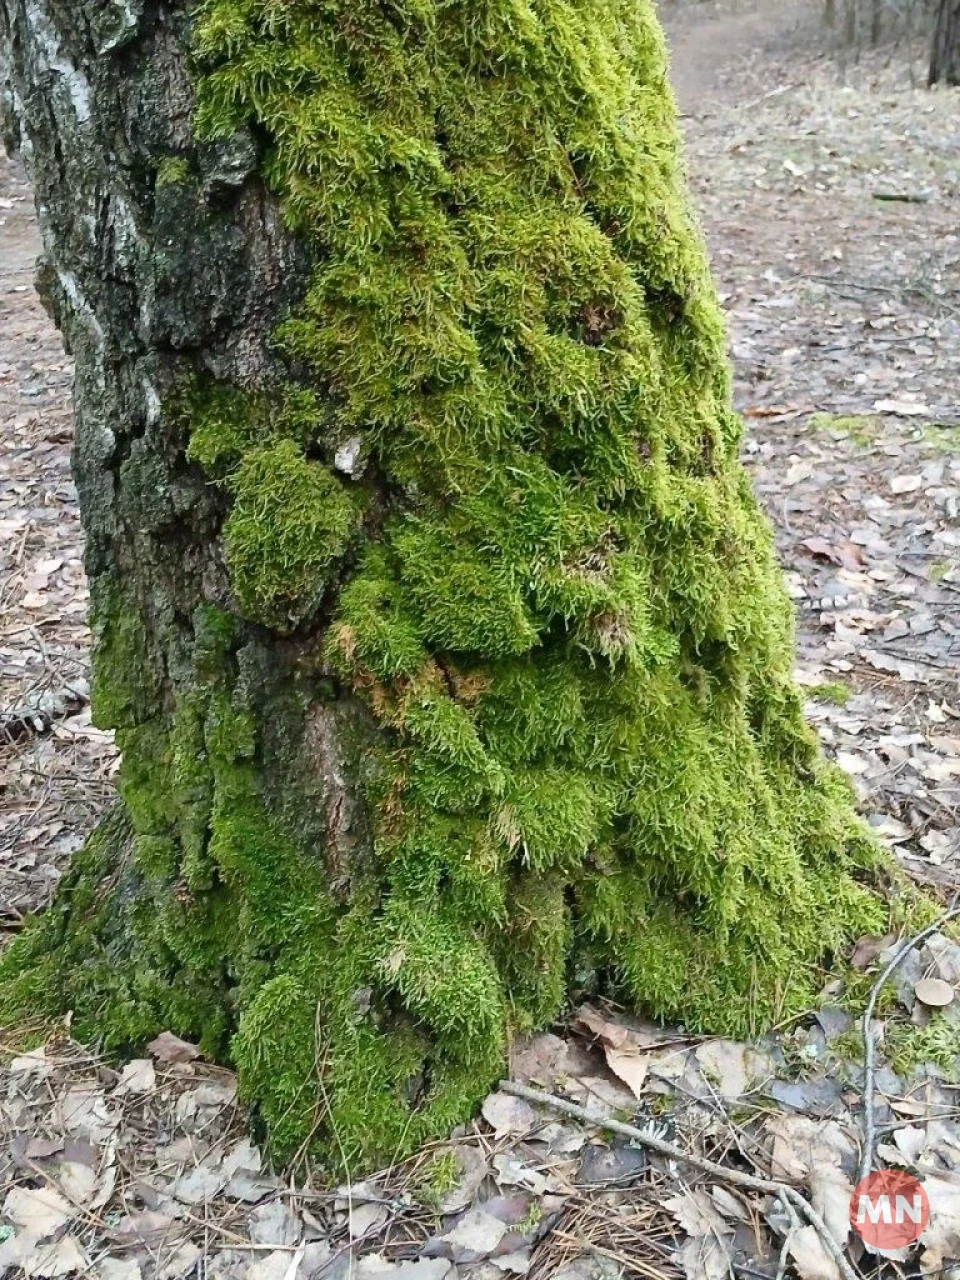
x: 870, y: 1040
x: 734, y: 1176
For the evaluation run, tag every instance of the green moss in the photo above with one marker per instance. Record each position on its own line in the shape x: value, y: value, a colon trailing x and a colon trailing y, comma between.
x: 848, y: 1045
x: 291, y: 522
x: 440, y: 1176
x: 835, y: 692
x: 174, y: 171
x: 549, y: 585
x: 862, y: 429
x: 908, y: 1047
x: 944, y: 437
x: 126, y: 685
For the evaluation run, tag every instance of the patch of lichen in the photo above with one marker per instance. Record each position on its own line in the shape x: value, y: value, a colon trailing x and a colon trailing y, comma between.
x: 564, y: 614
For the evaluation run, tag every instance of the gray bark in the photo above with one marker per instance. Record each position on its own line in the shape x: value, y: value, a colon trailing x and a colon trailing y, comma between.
x: 945, y: 54
x: 153, y: 284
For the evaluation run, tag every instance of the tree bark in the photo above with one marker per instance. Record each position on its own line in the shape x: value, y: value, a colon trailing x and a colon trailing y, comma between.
x: 945, y: 54
x: 441, y: 633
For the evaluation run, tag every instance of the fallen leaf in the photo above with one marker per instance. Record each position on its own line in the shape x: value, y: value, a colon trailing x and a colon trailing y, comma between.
x: 199, y: 1185
x: 630, y: 1067
x: 182, y: 1260
x: 475, y: 1236
x: 41, y: 1213
x: 473, y: 1170
x: 730, y: 1067
x: 868, y: 950
x: 83, y: 1111
x: 274, y: 1266
x: 171, y: 1049
x: 118, y: 1269
x: 810, y: 1256
x: 43, y: 1148
x: 511, y: 1171
x: 374, y: 1267
x: 910, y: 1142
x: 610, y: 1034
x: 149, y: 1228
x: 830, y: 1192
x: 705, y: 1258
x: 847, y: 554
x: 902, y: 408
x: 906, y: 484
x: 729, y: 1205
x: 366, y: 1219
x: 801, y: 1144
x: 508, y: 1115
x: 33, y: 1063
x: 77, y: 1181
x: 274, y: 1224
x: 696, y: 1214
x: 138, y: 1076
x: 934, y: 993
x: 941, y: 1237
x: 63, y: 1258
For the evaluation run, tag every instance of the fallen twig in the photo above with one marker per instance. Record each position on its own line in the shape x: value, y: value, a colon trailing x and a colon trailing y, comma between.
x: 870, y: 1040
x: 903, y: 197
x: 768, y: 1186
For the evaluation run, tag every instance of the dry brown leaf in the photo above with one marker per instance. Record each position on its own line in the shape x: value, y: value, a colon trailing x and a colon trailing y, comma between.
x: 934, y: 993
x: 40, y: 1213
x: 508, y: 1115
x: 630, y: 1067
x: 590, y: 1021
x: 810, y: 1256
x: 171, y: 1049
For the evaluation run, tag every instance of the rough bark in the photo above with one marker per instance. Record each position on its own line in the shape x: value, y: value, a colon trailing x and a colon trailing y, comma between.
x: 440, y: 630
x: 945, y: 54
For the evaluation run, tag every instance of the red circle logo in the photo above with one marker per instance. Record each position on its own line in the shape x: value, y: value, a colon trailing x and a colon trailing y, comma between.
x: 889, y: 1209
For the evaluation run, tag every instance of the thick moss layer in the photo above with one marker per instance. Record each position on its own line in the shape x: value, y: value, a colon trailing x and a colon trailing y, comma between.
x: 588, y: 762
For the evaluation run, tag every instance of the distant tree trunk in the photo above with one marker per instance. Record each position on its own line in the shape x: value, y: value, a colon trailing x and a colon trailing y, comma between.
x: 441, y: 633
x: 852, y: 23
x: 876, y: 22
x: 945, y: 56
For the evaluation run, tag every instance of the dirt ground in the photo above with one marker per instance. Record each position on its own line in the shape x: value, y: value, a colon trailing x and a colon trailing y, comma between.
x: 829, y: 196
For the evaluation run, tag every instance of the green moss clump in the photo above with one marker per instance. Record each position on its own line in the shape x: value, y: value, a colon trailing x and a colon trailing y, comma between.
x: 550, y: 586
x: 173, y: 172
x: 862, y: 429
x: 126, y: 684
x: 908, y: 1047
x: 441, y: 1176
x: 834, y: 691
x: 290, y: 523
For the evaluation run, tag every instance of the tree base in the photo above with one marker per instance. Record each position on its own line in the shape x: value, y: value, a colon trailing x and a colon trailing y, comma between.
x: 335, y: 1063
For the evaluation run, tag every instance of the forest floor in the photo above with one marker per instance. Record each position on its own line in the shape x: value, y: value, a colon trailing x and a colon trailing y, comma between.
x: 830, y: 200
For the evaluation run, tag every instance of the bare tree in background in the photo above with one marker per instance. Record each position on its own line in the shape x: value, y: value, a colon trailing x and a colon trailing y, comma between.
x: 945, y: 56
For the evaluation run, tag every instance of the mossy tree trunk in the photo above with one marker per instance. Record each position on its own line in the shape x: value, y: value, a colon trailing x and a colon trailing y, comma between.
x: 441, y: 633
x: 945, y: 55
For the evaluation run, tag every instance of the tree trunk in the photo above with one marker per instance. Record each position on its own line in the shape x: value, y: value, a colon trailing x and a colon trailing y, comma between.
x: 441, y: 633
x: 945, y: 55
